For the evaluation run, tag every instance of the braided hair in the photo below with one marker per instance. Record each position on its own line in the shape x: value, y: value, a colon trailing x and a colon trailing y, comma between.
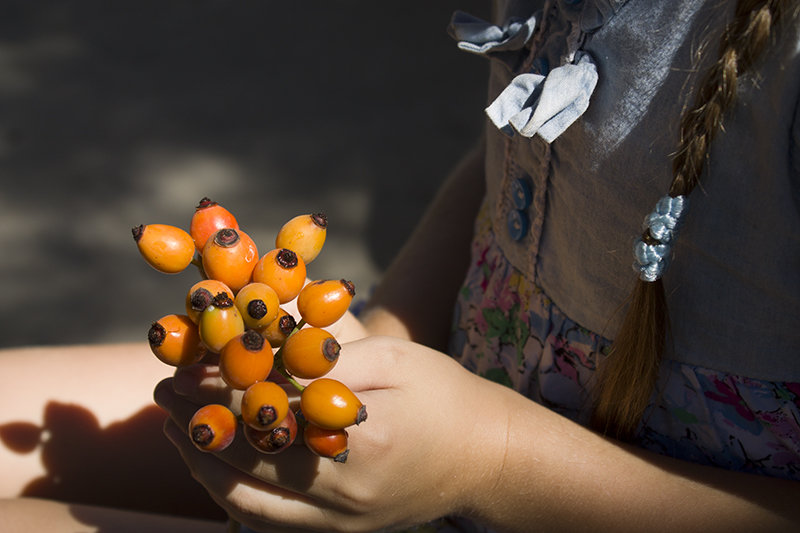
x: 627, y: 377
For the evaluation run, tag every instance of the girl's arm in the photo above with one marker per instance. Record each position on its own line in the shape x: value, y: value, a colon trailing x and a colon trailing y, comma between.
x: 440, y: 440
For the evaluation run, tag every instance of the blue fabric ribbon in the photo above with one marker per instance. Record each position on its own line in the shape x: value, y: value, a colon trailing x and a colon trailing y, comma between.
x: 547, y: 105
x: 662, y: 223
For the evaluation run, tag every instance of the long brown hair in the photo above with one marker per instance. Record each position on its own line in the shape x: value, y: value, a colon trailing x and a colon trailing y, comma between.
x: 627, y: 377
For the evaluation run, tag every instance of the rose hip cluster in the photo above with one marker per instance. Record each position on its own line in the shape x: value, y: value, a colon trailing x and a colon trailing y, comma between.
x: 234, y: 317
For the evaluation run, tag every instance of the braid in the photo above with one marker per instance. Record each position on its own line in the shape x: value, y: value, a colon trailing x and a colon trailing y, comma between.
x: 627, y: 378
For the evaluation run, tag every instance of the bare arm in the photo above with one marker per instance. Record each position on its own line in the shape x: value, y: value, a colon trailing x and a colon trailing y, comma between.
x: 416, y: 296
x: 508, y: 462
x: 571, y: 479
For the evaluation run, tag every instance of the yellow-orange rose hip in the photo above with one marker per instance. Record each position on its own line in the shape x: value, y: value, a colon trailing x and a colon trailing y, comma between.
x: 219, y: 323
x: 304, y: 234
x: 165, y: 248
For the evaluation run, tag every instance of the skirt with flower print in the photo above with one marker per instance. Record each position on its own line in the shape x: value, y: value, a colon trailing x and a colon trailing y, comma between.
x: 507, y: 330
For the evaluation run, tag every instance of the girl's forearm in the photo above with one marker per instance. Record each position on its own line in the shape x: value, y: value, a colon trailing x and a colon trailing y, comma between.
x: 561, y: 476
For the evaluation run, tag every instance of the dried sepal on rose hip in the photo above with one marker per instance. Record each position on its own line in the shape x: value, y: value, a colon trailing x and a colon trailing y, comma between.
x: 305, y: 234
x: 168, y: 249
x: 279, y: 330
x: 201, y: 294
x: 258, y: 304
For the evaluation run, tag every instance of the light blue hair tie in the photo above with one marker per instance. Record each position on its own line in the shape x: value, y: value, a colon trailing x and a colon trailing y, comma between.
x: 654, y: 248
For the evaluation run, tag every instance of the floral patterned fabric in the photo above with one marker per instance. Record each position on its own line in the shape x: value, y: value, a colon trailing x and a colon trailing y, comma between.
x: 507, y: 330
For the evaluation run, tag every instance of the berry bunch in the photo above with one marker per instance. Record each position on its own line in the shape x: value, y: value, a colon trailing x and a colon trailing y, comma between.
x: 234, y: 317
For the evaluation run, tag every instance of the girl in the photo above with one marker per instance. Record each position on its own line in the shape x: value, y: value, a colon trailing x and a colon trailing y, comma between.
x: 579, y: 402
x: 600, y: 114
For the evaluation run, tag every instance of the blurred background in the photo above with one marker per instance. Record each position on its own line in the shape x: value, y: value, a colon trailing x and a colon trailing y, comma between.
x: 115, y: 114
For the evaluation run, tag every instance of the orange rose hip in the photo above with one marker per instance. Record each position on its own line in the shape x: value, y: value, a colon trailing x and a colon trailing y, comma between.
x: 330, y: 404
x: 283, y: 270
x: 323, y: 302
x: 264, y: 405
x: 245, y: 359
x: 279, y: 329
x: 212, y: 428
x: 274, y: 440
x: 165, y: 248
x: 230, y: 256
x: 310, y: 353
x: 174, y: 340
x: 208, y: 218
x: 330, y: 443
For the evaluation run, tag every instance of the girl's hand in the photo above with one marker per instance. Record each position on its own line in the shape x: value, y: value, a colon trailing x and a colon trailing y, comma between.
x: 433, y: 444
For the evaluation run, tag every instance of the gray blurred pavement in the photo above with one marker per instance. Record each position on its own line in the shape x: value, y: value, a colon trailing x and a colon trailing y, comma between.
x: 114, y: 114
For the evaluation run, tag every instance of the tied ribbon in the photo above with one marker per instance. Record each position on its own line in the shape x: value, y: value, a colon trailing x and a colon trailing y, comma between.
x: 477, y: 36
x: 547, y: 105
x: 652, y: 255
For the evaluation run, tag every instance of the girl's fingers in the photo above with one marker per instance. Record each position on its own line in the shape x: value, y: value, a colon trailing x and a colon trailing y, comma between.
x: 250, y: 501
x: 295, y: 469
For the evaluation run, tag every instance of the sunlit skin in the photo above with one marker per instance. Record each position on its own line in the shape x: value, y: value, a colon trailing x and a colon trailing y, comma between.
x: 175, y: 340
x: 208, y: 218
x: 168, y: 249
